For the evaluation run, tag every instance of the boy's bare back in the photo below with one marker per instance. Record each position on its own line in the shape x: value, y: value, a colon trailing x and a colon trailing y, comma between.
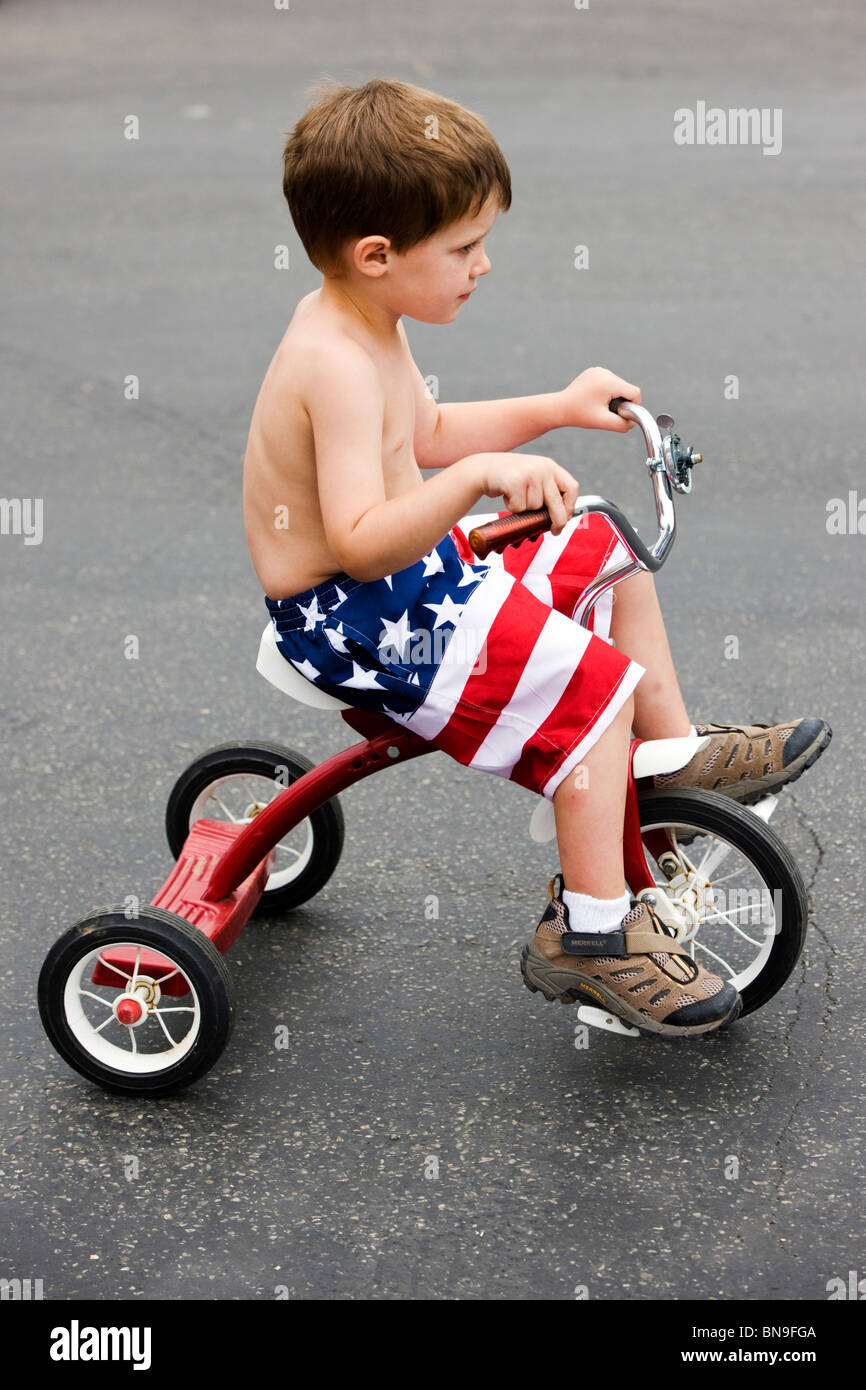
x: 321, y: 350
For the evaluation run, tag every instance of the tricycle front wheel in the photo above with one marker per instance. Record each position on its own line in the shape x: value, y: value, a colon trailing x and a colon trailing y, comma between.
x: 736, y: 883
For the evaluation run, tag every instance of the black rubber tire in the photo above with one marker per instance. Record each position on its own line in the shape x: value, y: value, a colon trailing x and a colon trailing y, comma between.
x: 163, y: 931
x: 262, y: 760
x: 717, y: 814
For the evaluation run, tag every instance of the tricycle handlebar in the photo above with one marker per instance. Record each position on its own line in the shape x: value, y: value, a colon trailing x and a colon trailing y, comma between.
x: 668, y: 464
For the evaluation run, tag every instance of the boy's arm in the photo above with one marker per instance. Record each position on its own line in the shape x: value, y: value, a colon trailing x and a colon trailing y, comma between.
x: 469, y: 427
x: 446, y: 433
x: 369, y: 535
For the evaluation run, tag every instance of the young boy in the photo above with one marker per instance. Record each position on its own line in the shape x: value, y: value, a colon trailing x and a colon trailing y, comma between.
x: 374, y: 592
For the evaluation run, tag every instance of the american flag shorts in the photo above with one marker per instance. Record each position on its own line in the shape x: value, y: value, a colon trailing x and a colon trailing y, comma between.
x: 481, y: 659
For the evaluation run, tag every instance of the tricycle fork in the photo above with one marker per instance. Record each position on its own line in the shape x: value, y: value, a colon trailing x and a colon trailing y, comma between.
x: 637, y: 873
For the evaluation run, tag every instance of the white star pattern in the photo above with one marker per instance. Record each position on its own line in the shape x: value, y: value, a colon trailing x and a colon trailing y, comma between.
x: 469, y: 575
x: 336, y: 638
x: 361, y: 679
x: 394, y: 638
x: 392, y: 714
x: 446, y: 612
x: 306, y: 668
x: 312, y: 613
x: 433, y: 563
x: 397, y: 634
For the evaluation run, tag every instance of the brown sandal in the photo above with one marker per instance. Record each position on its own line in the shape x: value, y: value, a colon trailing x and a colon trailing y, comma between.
x: 639, y: 973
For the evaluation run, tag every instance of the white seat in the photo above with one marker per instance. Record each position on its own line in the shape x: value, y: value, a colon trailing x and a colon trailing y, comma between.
x: 275, y: 668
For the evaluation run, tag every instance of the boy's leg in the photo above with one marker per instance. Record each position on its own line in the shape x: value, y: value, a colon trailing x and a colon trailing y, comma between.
x: 637, y: 627
x: 625, y: 961
x: 589, y: 806
x: 591, y: 949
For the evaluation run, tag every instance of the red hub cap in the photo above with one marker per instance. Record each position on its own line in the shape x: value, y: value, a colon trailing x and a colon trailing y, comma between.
x: 128, y: 1011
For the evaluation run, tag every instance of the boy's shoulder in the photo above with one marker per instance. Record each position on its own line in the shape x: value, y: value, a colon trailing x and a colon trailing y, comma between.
x: 319, y: 349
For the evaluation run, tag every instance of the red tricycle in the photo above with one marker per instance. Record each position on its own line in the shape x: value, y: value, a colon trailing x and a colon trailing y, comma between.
x: 142, y: 1002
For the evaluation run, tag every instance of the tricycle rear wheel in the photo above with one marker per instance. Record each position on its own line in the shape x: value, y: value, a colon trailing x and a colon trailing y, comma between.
x: 147, y: 1026
x: 235, y: 782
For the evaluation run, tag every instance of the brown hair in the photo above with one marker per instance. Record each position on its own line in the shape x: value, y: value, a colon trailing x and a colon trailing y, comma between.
x: 386, y: 157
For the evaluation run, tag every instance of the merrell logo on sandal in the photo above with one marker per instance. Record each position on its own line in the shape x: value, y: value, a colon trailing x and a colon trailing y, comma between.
x: 598, y: 944
x: 588, y: 989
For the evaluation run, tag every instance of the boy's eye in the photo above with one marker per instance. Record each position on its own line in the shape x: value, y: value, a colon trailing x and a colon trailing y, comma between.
x: 469, y: 247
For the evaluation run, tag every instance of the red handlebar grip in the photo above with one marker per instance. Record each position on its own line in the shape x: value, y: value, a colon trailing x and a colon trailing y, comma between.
x: 496, y: 535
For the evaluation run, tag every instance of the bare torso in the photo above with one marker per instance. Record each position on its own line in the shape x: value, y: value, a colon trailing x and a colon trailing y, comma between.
x: 280, y: 461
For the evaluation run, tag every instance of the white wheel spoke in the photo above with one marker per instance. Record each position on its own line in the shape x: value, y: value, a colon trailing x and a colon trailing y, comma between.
x: 225, y: 810
x: 722, y: 917
x: 260, y: 791
x: 743, y: 907
x: 115, y: 968
x: 724, y: 878
x: 746, y: 894
x: 98, y: 997
x: 162, y: 979
x: 252, y: 796
x: 160, y: 1050
x: 163, y: 1026
x: 289, y: 849
x: 723, y: 963
x: 713, y: 858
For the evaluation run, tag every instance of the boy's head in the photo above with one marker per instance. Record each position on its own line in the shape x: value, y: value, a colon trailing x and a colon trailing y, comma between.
x: 395, y: 183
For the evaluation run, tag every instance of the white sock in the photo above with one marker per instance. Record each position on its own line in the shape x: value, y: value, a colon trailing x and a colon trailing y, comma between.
x: 595, y: 914
x: 692, y: 733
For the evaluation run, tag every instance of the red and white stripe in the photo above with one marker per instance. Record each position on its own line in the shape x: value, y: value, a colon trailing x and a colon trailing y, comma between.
x: 523, y: 691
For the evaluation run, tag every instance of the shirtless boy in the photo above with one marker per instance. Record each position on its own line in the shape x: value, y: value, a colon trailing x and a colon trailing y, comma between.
x: 393, y: 191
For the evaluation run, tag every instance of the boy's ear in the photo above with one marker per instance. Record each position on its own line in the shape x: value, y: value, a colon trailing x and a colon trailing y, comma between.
x: 370, y: 255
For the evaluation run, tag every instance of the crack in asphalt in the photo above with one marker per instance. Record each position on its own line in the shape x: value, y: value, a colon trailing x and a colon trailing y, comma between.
x: 832, y: 1001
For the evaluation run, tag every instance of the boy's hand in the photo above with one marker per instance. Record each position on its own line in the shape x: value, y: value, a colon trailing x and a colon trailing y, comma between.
x: 529, y: 481
x: 587, y: 399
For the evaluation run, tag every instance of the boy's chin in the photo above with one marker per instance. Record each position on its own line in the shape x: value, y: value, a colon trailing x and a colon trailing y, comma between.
x: 446, y: 314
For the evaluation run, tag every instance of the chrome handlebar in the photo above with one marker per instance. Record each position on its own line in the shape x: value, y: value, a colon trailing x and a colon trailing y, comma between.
x: 669, y: 466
